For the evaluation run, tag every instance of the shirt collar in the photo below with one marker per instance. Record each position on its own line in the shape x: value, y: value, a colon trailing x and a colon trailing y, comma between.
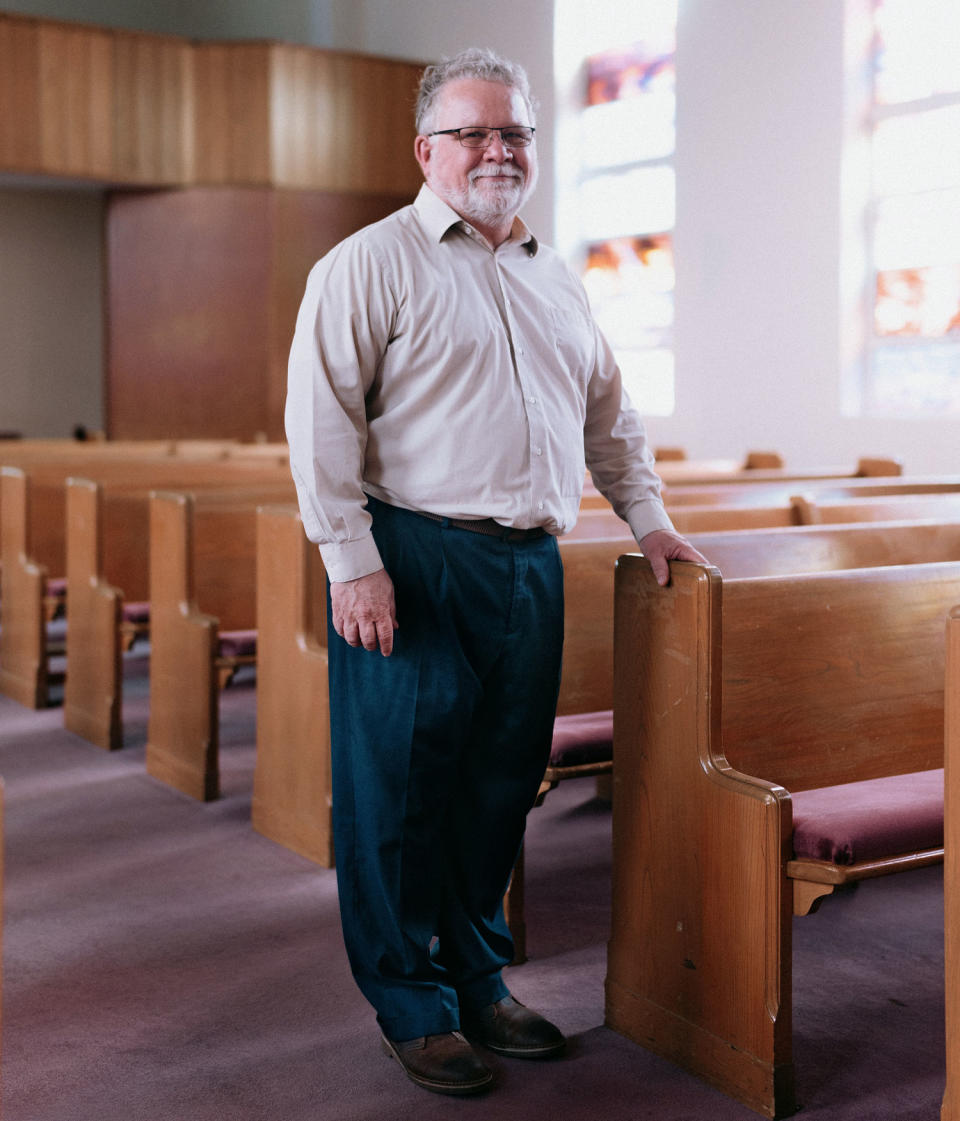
x: 438, y: 217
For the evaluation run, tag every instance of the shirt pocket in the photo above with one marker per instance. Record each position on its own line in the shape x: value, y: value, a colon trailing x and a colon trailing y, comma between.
x: 573, y: 340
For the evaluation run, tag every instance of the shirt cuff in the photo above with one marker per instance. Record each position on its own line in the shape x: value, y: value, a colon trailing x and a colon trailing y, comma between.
x: 349, y: 560
x: 645, y: 517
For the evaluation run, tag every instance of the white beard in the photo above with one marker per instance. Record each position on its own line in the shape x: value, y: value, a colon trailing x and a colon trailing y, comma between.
x: 490, y: 204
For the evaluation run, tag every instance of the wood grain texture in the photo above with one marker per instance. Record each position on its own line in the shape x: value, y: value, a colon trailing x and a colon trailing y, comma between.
x: 20, y: 147
x: 203, y: 291
x: 124, y: 107
x: 76, y: 94
x: 700, y: 950
x: 292, y: 795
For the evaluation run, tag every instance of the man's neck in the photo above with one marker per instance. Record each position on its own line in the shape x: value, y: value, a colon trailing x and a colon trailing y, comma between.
x: 497, y: 233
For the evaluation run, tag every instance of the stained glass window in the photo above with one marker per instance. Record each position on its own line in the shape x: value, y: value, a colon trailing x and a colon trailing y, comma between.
x: 621, y: 200
x: 915, y: 228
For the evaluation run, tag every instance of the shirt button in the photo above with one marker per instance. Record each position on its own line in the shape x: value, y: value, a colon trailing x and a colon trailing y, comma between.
x: 539, y: 505
x: 520, y: 351
x: 539, y: 451
x: 531, y: 400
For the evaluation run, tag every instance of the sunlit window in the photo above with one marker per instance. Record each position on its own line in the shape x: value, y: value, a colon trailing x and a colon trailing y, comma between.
x: 616, y: 188
x: 916, y: 207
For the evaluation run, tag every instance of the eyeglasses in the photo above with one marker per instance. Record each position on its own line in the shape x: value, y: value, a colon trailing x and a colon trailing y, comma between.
x: 476, y: 136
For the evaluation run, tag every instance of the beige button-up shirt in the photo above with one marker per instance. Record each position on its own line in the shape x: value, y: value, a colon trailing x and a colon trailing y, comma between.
x: 438, y: 374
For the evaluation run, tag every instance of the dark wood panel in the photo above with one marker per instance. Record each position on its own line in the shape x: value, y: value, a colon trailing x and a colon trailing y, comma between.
x: 203, y: 290
x: 187, y: 313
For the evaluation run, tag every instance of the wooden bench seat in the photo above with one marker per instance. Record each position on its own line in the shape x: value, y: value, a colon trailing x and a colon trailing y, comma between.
x: 732, y: 698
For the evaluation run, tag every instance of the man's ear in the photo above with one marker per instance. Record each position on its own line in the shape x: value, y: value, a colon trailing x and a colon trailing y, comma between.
x: 422, y: 149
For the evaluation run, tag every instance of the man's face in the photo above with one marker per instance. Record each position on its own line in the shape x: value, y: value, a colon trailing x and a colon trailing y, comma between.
x: 487, y: 186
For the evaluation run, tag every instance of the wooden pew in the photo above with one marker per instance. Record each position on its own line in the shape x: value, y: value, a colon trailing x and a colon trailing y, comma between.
x: 950, y: 1110
x: 748, y: 491
x: 33, y: 545
x: 825, y: 548
x: 766, y: 468
x: 761, y: 478
x: 291, y: 784
x: 24, y: 671
x: 202, y: 596
x: 818, y: 510
x: 738, y: 703
x: 108, y: 563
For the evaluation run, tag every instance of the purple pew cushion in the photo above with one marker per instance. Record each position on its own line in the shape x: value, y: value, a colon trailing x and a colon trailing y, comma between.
x: 583, y: 737
x: 137, y: 612
x: 56, y: 586
x: 237, y: 644
x: 869, y: 820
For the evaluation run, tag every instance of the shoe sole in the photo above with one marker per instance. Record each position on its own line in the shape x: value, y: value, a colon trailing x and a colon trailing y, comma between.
x: 455, y: 1089
x: 548, y: 1052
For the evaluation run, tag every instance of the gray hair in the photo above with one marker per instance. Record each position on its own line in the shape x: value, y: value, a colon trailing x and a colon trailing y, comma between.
x: 473, y: 62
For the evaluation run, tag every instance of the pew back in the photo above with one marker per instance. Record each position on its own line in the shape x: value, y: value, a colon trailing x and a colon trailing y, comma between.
x: 754, y: 490
x: 823, y: 548
x: 836, y: 677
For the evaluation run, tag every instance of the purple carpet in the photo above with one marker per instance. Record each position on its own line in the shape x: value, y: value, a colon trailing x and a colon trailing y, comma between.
x: 163, y: 962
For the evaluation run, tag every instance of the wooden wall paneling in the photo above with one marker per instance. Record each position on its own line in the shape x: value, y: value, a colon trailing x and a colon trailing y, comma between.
x: 188, y: 292
x: 19, y: 94
x: 383, y: 94
x: 231, y: 113
x: 301, y: 102
x: 76, y: 91
x: 343, y: 122
x: 153, y: 119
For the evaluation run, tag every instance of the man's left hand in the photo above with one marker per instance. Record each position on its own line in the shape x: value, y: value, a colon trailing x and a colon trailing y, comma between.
x: 662, y: 546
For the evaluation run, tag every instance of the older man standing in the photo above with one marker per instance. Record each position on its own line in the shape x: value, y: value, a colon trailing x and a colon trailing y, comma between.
x: 447, y: 388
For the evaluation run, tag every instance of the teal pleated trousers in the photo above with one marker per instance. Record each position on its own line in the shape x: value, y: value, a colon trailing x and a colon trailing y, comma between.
x: 438, y: 752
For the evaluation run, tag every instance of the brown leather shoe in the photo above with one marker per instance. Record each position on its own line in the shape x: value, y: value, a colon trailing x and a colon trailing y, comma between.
x: 509, y: 1028
x: 445, y: 1064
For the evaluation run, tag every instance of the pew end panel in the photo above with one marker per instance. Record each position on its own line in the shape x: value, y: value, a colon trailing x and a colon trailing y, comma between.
x: 23, y: 656
x: 950, y: 1110
x: 184, y: 712
x: 92, y: 693
x: 291, y: 784
x: 701, y: 939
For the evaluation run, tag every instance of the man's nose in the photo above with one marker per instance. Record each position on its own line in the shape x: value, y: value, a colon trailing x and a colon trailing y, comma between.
x: 497, y: 150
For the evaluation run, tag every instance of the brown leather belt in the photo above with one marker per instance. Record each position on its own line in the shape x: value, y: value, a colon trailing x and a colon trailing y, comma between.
x: 489, y: 527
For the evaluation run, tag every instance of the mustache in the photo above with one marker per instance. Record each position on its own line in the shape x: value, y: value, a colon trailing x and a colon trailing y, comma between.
x: 480, y: 173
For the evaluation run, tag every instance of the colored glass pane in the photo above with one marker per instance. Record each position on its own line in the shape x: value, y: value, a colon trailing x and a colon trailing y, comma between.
x: 919, y: 302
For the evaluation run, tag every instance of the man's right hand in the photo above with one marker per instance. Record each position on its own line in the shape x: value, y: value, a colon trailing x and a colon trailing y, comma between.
x: 364, y: 612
